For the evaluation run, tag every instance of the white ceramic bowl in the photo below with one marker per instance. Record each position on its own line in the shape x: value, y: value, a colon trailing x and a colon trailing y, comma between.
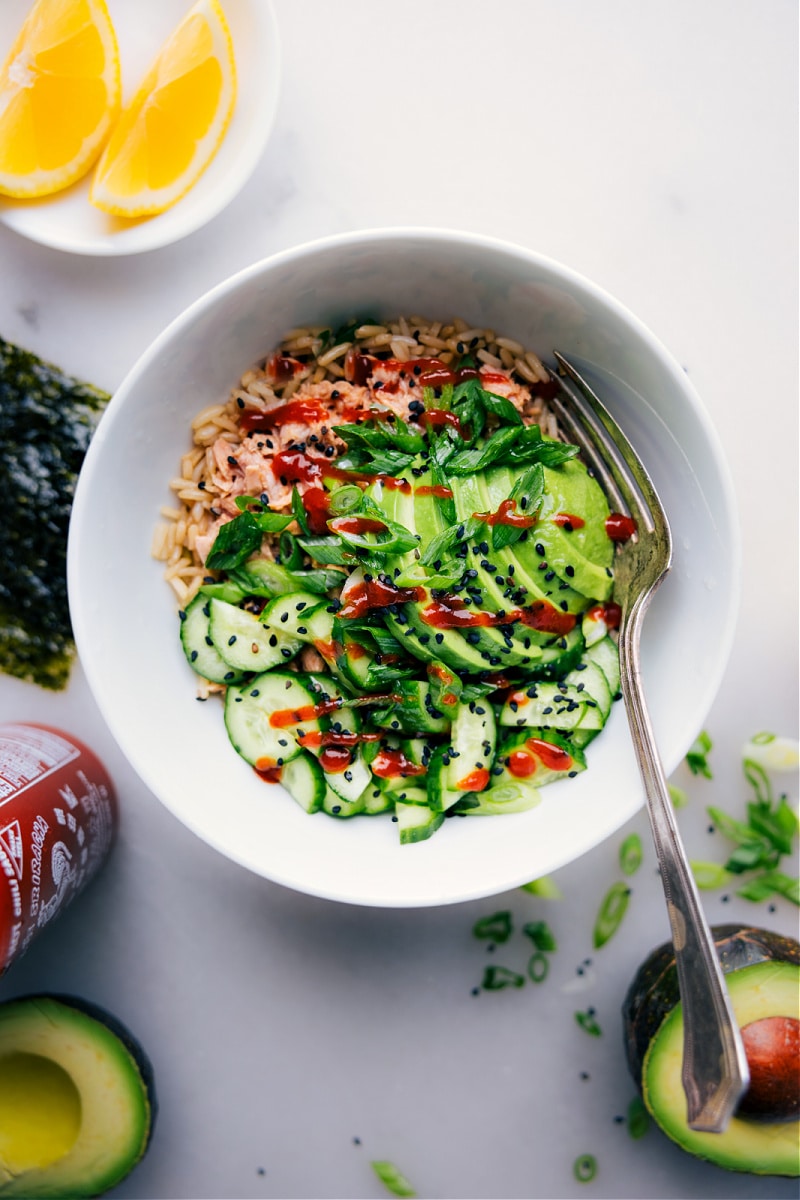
x: 67, y: 221
x: 125, y: 616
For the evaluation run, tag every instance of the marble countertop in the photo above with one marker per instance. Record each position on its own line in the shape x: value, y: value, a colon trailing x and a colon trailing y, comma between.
x: 653, y: 148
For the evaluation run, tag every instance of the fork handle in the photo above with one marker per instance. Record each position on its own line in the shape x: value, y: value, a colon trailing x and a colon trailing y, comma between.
x: 715, y: 1072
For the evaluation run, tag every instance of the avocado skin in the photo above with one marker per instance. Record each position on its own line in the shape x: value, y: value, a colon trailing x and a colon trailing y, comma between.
x: 134, y: 1049
x: 654, y: 991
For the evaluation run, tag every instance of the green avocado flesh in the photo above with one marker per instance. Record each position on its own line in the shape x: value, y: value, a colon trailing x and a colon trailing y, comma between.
x: 46, y: 421
x: 76, y: 1099
x: 766, y: 989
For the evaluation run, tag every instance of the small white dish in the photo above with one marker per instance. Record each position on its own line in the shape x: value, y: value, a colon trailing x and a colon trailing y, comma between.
x: 68, y: 221
x: 125, y: 617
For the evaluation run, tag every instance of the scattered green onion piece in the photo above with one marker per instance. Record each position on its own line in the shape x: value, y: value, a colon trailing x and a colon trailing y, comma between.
x: 708, y: 875
x: 697, y: 756
x: 588, y: 1023
x: 585, y: 1168
x: 678, y: 796
x: 638, y: 1118
x: 497, y: 927
x: 540, y: 934
x: 772, y: 752
x: 538, y: 967
x: 497, y: 978
x: 392, y: 1179
x: 630, y: 854
x: 612, y: 910
x: 544, y: 886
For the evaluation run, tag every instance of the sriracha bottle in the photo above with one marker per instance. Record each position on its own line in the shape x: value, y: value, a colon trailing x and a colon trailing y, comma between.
x: 58, y: 818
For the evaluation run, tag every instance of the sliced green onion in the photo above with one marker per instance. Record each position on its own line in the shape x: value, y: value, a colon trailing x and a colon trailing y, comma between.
x: 345, y: 499
x: 538, y: 967
x: 708, y: 875
x: 290, y: 551
x: 497, y: 927
x: 588, y: 1022
x: 544, y: 886
x: 612, y: 910
x: 772, y: 752
x: 497, y: 978
x: 638, y: 1118
x: 630, y: 854
x: 697, y: 756
x: 540, y: 934
x: 678, y: 796
x: 393, y: 1179
x: 585, y: 1168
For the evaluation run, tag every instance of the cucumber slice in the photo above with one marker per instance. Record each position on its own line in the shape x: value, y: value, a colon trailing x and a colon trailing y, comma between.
x: 548, y: 755
x: 473, y: 739
x: 605, y: 654
x: 509, y: 796
x: 336, y: 806
x: 289, y: 614
x: 201, y: 653
x: 440, y: 796
x: 416, y: 822
x: 304, y: 780
x: 351, y: 783
x: 248, y: 712
x: 243, y: 642
x: 552, y: 705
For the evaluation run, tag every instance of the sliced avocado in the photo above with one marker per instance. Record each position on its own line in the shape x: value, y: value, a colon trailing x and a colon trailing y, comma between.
x: 77, y: 1100
x: 530, y: 569
x: 580, y: 554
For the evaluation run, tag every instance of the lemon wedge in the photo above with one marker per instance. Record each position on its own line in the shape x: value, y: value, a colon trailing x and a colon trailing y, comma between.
x: 59, y: 96
x: 169, y: 133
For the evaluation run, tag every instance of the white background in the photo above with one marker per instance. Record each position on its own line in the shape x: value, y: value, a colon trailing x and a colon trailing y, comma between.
x: 653, y: 148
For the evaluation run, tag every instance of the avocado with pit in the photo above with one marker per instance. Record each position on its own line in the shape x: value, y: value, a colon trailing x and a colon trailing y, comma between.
x: 77, y: 1098
x: 762, y: 971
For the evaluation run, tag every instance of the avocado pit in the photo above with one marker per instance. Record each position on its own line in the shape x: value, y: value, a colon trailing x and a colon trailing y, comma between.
x: 772, y: 1046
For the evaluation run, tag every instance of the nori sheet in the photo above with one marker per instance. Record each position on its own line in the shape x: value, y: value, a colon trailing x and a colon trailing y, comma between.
x: 47, y: 419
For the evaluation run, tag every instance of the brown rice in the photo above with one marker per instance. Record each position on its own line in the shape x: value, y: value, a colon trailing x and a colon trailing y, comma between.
x: 193, y: 513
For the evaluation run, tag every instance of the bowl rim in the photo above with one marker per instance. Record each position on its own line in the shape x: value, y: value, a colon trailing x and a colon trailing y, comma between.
x: 727, y: 517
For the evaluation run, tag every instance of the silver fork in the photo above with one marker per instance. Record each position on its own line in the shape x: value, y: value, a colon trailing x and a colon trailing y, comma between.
x: 715, y: 1072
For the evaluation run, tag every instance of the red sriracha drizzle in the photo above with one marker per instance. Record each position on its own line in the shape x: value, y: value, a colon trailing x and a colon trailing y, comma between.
x: 476, y: 781
x: 449, y: 612
x: 305, y: 411
x: 610, y: 612
x: 619, y: 527
x: 568, y: 521
x: 389, y: 763
x: 268, y: 770
x: 440, y: 416
x: 305, y: 712
x: 363, y: 597
x: 280, y: 368
x: 522, y: 762
x: 334, y: 759
x: 506, y: 515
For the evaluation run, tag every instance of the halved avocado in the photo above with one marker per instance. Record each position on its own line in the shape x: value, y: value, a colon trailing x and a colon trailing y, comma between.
x: 762, y: 972
x: 77, y: 1099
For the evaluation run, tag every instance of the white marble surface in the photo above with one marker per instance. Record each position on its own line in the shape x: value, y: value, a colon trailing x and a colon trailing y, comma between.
x: 652, y: 147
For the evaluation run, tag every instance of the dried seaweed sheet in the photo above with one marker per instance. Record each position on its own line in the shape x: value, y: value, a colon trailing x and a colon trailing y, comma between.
x: 47, y: 419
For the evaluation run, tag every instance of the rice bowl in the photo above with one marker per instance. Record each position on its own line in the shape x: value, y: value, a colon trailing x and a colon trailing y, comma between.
x: 185, y: 759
